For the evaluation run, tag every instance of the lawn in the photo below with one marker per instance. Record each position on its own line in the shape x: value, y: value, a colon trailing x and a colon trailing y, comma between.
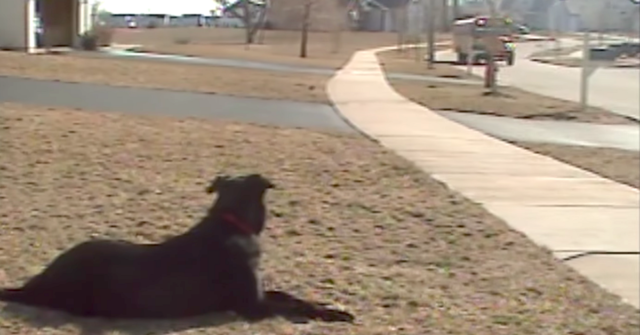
x: 277, y: 46
x: 351, y: 223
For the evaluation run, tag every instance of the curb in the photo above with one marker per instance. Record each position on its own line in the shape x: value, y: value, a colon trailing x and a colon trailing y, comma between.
x: 550, y: 61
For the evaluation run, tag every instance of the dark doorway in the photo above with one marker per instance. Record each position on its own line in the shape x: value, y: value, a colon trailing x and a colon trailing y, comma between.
x: 57, y: 21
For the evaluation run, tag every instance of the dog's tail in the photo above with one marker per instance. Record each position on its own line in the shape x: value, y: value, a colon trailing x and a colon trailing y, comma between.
x: 13, y: 295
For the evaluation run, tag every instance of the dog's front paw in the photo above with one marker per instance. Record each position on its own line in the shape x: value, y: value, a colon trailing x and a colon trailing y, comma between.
x: 255, y: 314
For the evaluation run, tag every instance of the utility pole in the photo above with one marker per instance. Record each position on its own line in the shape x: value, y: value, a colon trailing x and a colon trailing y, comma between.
x: 431, y: 33
x: 455, y: 9
x: 446, y: 20
x: 586, y: 71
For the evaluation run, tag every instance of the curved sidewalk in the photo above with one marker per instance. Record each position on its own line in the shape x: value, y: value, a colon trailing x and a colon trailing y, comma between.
x: 592, y: 221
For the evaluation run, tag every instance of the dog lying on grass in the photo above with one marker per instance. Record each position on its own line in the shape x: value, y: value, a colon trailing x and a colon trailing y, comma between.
x: 211, y: 268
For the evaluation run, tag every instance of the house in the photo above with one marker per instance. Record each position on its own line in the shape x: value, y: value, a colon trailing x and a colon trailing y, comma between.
x: 227, y: 20
x: 326, y: 15
x: 562, y: 19
x: 573, y: 15
x: 153, y: 20
x: 605, y: 15
x: 468, y: 8
x: 403, y: 15
x: 120, y: 20
x: 387, y: 15
x: 193, y: 20
x: 24, y: 23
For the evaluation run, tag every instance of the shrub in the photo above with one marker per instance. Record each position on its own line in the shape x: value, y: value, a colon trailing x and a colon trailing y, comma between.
x: 152, y: 25
x: 98, y: 36
x: 182, y: 40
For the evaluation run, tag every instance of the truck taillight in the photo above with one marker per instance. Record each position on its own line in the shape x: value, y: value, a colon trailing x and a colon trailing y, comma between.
x: 481, y: 22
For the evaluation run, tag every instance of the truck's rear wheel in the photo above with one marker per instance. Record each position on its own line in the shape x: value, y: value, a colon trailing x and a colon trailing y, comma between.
x: 462, y: 58
x: 511, y: 59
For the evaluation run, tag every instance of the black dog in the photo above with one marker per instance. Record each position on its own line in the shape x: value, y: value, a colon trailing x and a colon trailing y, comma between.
x: 213, y: 267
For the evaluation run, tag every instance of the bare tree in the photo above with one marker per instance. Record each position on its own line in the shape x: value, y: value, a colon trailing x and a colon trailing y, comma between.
x: 304, y: 38
x: 492, y: 70
x: 253, y: 15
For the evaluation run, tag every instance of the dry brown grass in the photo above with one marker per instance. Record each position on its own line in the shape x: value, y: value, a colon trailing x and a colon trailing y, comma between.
x: 152, y: 74
x: 279, y: 46
x: 406, y: 61
x: 619, y: 165
x: 351, y: 223
x: 512, y: 102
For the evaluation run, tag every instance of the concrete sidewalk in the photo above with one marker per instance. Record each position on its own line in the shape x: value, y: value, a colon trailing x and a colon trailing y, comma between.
x: 575, y: 213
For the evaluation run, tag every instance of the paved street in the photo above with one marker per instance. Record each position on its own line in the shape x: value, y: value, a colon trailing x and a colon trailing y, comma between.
x: 614, y: 89
x: 172, y: 103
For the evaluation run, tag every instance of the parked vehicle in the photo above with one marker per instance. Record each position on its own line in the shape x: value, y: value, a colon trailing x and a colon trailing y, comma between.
x: 131, y: 22
x: 475, y: 36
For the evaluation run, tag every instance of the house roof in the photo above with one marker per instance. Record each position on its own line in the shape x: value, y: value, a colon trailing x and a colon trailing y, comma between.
x: 393, y: 3
x: 541, y: 6
x: 235, y: 3
x: 380, y: 3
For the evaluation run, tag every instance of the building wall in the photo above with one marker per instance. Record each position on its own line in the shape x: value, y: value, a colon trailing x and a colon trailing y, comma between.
x: 227, y: 22
x: 62, y: 23
x: 145, y: 21
x: 12, y: 26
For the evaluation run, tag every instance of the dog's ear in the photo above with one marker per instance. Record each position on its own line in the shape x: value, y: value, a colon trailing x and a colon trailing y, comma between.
x: 216, y: 184
x: 268, y: 183
x: 261, y: 182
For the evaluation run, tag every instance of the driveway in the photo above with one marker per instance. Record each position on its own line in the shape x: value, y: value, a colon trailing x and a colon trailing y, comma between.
x: 171, y: 103
x: 614, y: 89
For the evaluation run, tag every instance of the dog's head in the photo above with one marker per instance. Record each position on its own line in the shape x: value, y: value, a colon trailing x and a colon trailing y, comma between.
x: 242, y: 196
x: 252, y: 185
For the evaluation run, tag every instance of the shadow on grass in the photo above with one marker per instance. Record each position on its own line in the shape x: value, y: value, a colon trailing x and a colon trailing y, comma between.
x: 287, y: 306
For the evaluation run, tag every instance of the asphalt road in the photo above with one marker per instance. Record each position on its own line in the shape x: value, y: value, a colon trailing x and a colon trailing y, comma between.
x: 614, y: 89
x: 172, y: 103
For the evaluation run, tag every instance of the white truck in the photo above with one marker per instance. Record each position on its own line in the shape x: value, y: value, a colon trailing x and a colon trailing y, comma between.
x: 474, y: 37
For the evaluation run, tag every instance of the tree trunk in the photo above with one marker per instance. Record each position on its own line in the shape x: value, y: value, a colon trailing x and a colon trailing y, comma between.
x: 248, y: 25
x: 305, y: 29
